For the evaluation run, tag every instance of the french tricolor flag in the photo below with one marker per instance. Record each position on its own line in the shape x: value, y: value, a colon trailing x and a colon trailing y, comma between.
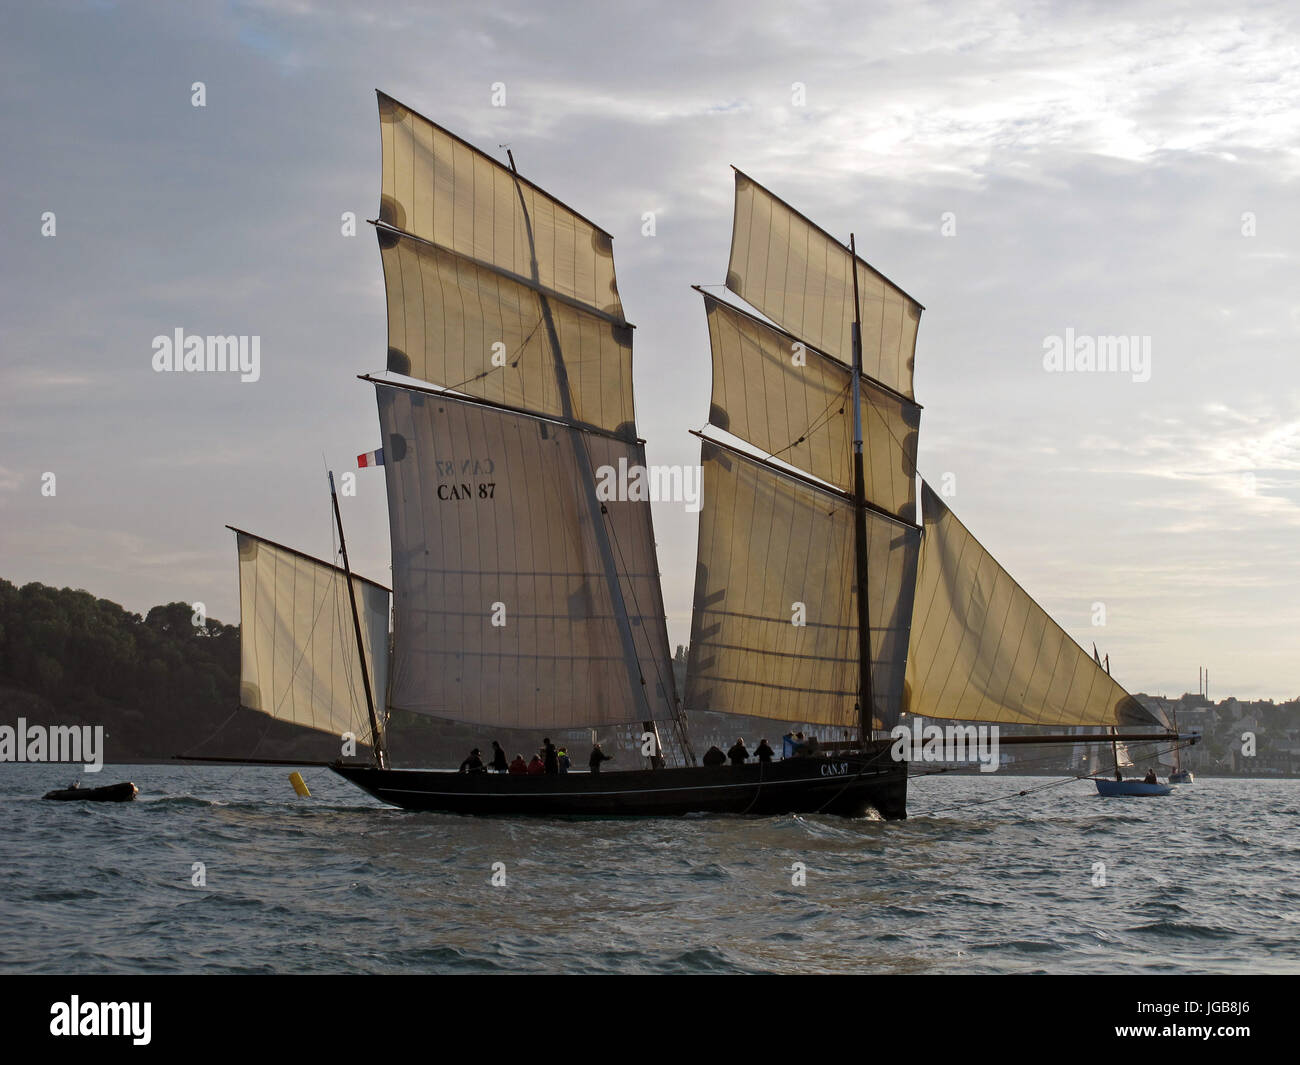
x: 370, y: 458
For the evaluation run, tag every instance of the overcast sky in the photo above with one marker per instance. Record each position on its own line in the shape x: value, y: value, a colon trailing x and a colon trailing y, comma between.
x: 1104, y: 164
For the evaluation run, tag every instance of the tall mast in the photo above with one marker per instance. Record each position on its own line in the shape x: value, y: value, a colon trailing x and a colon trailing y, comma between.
x: 376, y: 736
x: 596, y: 509
x: 865, y: 704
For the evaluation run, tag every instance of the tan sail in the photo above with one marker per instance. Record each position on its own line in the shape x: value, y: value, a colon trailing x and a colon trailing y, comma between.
x: 298, y: 647
x: 441, y: 189
x: 504, y: 612
x: 793, y: 402
x: 478, y: 331
x: 773, y: 551
x: 982, y: 650
x: 801, y: 277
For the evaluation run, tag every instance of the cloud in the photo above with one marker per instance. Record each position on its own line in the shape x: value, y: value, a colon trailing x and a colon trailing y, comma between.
x: 1098, y: 163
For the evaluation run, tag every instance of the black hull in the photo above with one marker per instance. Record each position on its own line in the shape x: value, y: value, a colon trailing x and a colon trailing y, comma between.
x: 109, y: 793
x: 848, y: 785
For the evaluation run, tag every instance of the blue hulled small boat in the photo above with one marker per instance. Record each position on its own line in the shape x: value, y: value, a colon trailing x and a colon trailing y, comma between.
x: 1130, y: 787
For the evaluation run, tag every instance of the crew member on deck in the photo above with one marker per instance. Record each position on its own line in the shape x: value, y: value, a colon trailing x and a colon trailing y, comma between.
x: 499, y: 764
x: 473, y: 764
x: 518, y: 767
x: 738, y: 754
x: 563, y: 759
x: 597, y: 756
x: 1151, y: 777
x: 550, y: 757
x: 714, y: 756
x: 763, y: 752
x: 536, y: 767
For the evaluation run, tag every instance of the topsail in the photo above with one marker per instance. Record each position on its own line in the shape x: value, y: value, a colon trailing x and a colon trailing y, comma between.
x: 440, y: 189
x: 802, y: 278
x: 792, y: 402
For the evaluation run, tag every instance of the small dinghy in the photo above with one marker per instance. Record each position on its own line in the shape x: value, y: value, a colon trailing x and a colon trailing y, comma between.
x: 1130, y: 787
x: 1107, y: 787
x: 124, y: 792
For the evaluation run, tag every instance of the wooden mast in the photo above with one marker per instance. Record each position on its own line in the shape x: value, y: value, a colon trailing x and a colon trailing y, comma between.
x: 376, y: 735
x: 865, y: 703
x: 597, y: 512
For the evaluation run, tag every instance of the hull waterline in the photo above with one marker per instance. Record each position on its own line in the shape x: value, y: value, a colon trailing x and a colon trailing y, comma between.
x: 849, y: 785
x: 1130, y: 787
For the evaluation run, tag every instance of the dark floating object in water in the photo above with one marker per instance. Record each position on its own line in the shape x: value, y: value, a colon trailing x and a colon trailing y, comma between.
x: 124, y: 792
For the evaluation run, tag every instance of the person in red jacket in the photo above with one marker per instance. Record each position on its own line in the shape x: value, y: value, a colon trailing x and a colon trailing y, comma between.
x: 536, y: 766
x: 518, y: 766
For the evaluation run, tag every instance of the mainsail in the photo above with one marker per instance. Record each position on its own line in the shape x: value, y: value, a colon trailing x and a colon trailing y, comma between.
x: 524, y: 596
x: 299, y: 661
x: 775, y: 626
x: 505, y: 613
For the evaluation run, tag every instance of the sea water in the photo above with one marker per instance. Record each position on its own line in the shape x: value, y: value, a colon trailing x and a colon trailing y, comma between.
x: 225, y: 870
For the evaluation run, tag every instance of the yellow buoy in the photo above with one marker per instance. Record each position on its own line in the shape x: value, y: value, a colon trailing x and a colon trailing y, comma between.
x: 299, y: 785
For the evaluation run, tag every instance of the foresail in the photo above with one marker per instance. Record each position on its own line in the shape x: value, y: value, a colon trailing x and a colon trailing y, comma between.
x: 982, y: 650
x: 774, y: 628
x: 508, y: 611
x: 472, y: 329
x: 793, y: 402
x: 298, y: 647
x: 799, y: 276
x: 441, y: 189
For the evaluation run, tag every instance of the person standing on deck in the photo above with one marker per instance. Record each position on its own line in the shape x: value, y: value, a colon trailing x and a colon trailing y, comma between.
x: 499, y: 763
x: 564, y: 761
x: 551, y: 757
x: 738, y: 754
x: 763, y: 752
x: 597, y: 756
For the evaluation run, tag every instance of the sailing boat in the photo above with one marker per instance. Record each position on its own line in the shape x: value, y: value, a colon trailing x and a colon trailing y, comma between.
x: 527, y: 597
x: 1119, y: 786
